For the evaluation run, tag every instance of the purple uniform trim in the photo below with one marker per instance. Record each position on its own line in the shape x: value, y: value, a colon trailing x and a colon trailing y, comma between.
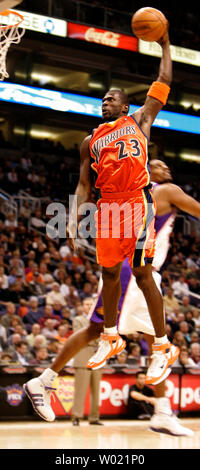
x: 125, y: 276
x: 160, y: 220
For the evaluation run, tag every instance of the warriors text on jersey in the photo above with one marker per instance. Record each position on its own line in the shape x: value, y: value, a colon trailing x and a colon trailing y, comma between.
x: 119, y: 150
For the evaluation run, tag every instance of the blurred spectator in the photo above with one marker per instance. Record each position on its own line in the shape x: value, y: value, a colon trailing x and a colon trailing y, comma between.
x: 39, y: 342
x: 134, y: 354
x: 25, y: 210
x: 18, y: 292
x: 184, y: 328
x: 186, y: 306
x: 55, y: 295
x: 11, y: 221
x: 194, y: 285
x: 41, y: 357
x: 34, y: 271
x: 57, y: 309
x: 63, y: 333
x: 35, y: 330
x: 179, y: 339
x: 190, y: 321
x: 17, y: 262
x: 88, y: 304
x: 184, y: 360
x: 194, y: 337
x: 34, y: 313
x: 195, y: 353
x: 37, y: 288
x: 49, y: 331
x: 169, y: 332
x: 170, y: 301
x: 120, y: 360
x: 66, y: 315
x: 18, y: 329
x: 37, y: 221
x: 3, y: 333
x: 49, y: 313
x: 5, y: 358
x: 190, y: 261
x: 53, y: 348
x: 65, y: 286
x: 6, y: 319
x: 65, y: 251
x: 196, y: 318
x: 47, y: 278
x: 3, y: 278
x: 72, y: 297
x: 15, y: 339
x: 22, y: 354
x: 180, y: 287
x: 173, y: 267
x: 86, y: 291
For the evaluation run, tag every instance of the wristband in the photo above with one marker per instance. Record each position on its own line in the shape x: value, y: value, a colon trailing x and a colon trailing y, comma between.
x: 159, y: 91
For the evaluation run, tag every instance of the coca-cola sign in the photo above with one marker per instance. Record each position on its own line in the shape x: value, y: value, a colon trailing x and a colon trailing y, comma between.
x: 107, y: 38
x: 102, y: 36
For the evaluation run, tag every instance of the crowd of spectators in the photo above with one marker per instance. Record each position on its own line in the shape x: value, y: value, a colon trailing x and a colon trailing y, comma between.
x: 43, y: 283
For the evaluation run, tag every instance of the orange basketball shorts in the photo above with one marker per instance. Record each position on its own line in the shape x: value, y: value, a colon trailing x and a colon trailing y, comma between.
x: 125, y: 228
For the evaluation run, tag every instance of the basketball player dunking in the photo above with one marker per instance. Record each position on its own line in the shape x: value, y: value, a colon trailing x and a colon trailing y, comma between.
x: 134, y: 315
x: 118, y: 148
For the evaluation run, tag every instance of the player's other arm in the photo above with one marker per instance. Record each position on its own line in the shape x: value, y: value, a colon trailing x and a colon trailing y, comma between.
x: 83, y: 189
x: 158, y: 91
x: 178, y: 198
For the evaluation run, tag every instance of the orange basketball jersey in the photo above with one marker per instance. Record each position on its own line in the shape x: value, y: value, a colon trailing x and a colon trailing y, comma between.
x: 119, y: 150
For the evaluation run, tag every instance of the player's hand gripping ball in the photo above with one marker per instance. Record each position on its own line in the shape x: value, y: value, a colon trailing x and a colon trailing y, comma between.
x: 149, y: 24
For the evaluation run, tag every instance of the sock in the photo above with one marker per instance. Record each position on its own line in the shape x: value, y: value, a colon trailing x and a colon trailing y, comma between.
x: 48, y: 376
x: 162, y: 340
x: 163, y: 406
x: 111, y: 331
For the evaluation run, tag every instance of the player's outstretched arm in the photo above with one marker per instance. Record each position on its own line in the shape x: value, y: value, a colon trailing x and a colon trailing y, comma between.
x: 176, y: 197
x: 158, y: 91
x: 83, y: 189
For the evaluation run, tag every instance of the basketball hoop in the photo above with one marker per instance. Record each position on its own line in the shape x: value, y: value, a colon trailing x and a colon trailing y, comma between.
x: 10, y: 33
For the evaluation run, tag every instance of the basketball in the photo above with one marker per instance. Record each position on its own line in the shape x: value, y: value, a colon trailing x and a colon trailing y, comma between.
x: 149, y: 24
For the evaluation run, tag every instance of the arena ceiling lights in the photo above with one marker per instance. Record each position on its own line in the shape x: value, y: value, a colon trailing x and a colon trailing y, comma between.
x: 87, y: 105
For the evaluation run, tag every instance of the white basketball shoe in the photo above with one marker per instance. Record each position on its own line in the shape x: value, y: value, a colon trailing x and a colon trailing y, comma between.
x: 164, y: 421
x: 39, y: 391
x: 164, y: 355
x: 109, y: 345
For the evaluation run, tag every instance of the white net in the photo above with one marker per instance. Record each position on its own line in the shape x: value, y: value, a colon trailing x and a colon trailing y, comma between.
x: 9, y: 34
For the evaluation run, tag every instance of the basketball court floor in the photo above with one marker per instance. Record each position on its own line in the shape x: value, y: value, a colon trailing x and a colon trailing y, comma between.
x: 114, y: 434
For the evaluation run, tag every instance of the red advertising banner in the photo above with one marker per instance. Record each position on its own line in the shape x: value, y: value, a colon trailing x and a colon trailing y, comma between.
x: 102, y: 36
x: 190, y: 392
x: 113, y: 394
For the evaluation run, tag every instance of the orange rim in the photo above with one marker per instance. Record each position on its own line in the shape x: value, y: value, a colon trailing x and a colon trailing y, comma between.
x: 11, y: 12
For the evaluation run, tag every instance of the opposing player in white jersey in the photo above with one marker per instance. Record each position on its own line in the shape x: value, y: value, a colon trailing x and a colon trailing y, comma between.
x: 133, y: 310
x: 134, y: 314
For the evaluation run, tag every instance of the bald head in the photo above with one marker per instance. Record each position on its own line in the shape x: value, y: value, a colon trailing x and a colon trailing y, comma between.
x: 160, y: 172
